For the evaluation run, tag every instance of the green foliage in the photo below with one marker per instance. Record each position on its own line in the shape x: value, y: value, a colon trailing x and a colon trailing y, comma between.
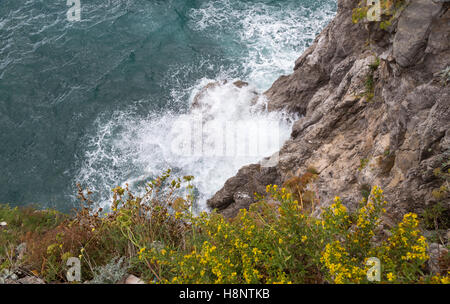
x: 389, y: 10
x: 384, y: 25
x: 282, y: 243
x: 365, y: 191
x: 23, y: 223
x: 97, y: 237
x: 278, y: 240
x: 363, y: 163
x: 374, y: 66
x: 29, y: 219
x: 445, y: 75
x: 370, y: 80
x: 359, y: 13
x: 369, y: 87
x: 437, y: 216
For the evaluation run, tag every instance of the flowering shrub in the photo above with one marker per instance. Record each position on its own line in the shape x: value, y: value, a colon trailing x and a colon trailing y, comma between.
x: 258, y: 246
x: 278, y: 240
x: 402, y: 255
x: 281, y: 243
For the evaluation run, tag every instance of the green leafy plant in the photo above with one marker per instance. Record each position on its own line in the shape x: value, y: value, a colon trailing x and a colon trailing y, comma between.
x: 363, y: 163
x: 370, y: 82
x: 445, y: 75
x: 283, y: 243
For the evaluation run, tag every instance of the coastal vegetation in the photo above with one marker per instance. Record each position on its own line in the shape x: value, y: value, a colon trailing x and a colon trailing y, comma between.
x: 157, y: 237
x: 389, y: 11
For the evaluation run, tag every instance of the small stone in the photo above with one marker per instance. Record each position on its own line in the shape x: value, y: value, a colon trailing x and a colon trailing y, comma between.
x: 436, y: 251
x: 3, y: 224
x: 131, y: 279
x: 8, y: 281
x: 31, y: 280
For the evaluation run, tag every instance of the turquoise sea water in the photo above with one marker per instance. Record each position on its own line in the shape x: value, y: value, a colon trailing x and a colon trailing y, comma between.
x: 93, y: 101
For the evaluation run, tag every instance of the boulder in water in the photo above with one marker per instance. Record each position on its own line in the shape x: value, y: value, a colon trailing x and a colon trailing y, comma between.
x: 198, y: 102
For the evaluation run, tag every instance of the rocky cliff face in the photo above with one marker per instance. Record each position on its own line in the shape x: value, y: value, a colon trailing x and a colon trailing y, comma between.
x: 374, y: 110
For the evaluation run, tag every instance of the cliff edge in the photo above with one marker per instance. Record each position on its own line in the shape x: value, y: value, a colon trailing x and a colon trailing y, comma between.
x: 374, y: 103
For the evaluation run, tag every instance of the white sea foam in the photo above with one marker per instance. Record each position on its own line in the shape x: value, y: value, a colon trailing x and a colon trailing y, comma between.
x: 273, y: 36
x: 210, y: 143
x: 129, y: 150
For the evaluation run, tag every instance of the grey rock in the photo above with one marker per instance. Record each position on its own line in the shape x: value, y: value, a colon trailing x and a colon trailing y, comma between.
x: 436, y: 251
x: 403, y: 132
x: 413, y: 30
x: 238, y: 192
x: 196, y: 103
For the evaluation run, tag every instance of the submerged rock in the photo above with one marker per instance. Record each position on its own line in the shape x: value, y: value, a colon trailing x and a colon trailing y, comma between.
x: 196, y: 103
x: 240, y: 84
x: 199, y: 101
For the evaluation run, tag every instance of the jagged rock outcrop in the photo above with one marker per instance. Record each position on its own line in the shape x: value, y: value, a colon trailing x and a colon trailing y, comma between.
x: 373, y: 112
x: 238, y: 192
